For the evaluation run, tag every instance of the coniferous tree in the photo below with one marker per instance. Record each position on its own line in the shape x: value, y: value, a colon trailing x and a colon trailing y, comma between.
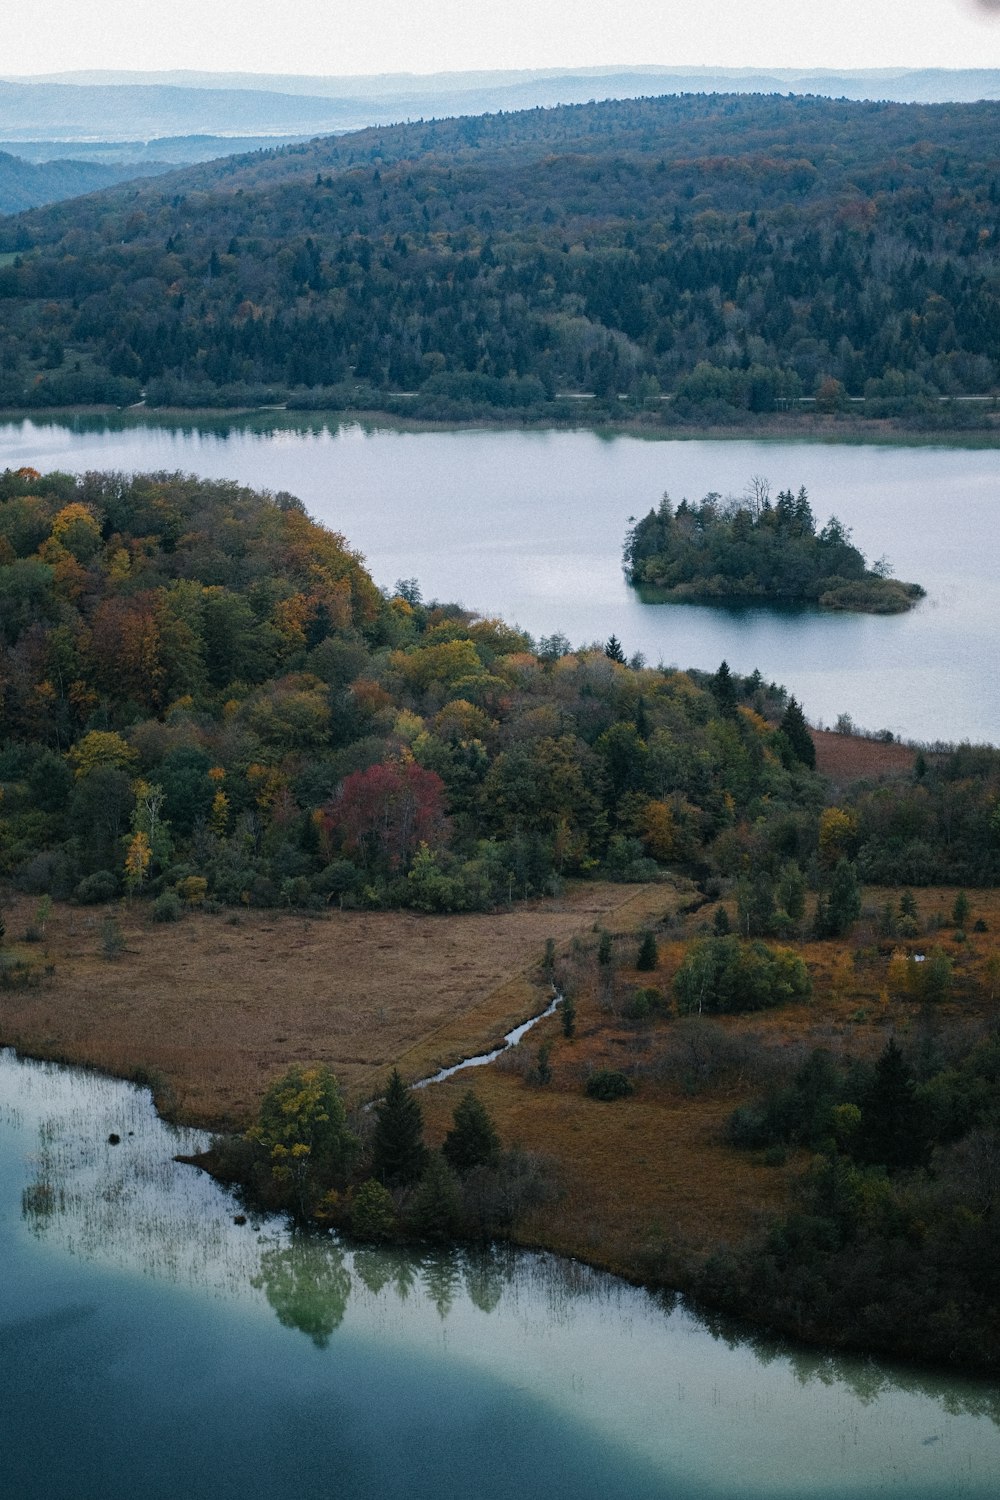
x: 795, y: 729
x: 399, y: 1155
x: 723, y: 689
x: 648, y: 956
x: 472, y: 1140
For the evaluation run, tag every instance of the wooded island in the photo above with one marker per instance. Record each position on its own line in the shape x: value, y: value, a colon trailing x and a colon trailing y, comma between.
x: 749, y: 549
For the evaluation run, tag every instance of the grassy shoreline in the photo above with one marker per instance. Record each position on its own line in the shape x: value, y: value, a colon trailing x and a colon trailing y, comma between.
x: 811, y: 427
x: 648, y: 1186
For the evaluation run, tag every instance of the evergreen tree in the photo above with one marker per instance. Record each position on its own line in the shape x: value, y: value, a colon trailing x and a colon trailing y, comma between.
x: 842, y: 906
x: 723, y: 689
x: 795, y: 729
x: 613, y: 649
x: 648, y: 956
x: 893, y: 1127
x: 568, y: 1017
x: 472, y: 1140
x: 399, y: 1155
x: 436, y: 1210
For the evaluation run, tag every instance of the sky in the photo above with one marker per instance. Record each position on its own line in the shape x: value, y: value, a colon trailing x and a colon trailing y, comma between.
x: 422, y: 36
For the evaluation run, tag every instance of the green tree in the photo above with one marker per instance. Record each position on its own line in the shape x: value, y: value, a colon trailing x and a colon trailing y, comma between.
x: 791, y: 891
x: 648, y: 956
x: 436, y: 1209
x: 842, y: 906
x: 472, y: 1141
x: 302, y: 1133
x: 399, y: 1155
x: 373, y: 1213
x: 795, y: 729
x: 961, y: 910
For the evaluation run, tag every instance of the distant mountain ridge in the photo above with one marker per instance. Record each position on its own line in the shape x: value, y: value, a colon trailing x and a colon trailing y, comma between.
x: 133, y: 106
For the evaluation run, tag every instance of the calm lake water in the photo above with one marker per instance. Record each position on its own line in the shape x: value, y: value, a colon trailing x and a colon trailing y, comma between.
x: 151, y: 1346
x: 530, y: 525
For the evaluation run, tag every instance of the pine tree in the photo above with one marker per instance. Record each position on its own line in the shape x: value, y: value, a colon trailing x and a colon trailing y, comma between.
x: 399, y: 1155
x: 795, y: 729
x: 436, y: 1210
x: 648, y: 956
x: 472, y: 1140
x: 723, y: 689
x: 613, y: 649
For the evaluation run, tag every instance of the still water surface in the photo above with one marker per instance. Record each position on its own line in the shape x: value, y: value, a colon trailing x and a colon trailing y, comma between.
x: 151, y: 1346
x: 530, y: 525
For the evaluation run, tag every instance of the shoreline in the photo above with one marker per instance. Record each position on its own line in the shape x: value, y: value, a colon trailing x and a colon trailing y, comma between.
x: 779, y: 427
x: 675, y: 1285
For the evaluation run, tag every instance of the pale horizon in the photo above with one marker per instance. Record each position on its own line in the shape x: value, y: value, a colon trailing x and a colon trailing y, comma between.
x: 420, y: 37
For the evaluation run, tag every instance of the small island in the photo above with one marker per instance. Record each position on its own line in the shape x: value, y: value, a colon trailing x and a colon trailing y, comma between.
x: 751, y: 549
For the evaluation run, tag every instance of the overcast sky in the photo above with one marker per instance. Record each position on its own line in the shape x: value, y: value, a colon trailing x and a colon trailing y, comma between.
x: 331, y: 36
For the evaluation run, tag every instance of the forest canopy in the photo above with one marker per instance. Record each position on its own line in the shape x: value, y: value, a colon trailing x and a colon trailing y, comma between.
x: 750, y: 549
x: 205, y: 697
x: 738, y: 253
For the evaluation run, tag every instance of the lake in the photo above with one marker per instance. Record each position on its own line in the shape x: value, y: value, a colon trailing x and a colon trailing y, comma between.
x: 530, y: 525
x: 151, y: 1346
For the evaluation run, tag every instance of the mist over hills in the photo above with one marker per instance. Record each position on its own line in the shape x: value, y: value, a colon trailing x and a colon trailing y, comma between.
x: 113, y: 106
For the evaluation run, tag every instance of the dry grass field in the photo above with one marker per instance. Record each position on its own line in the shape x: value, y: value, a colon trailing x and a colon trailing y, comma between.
x: 646, y: 1185
x: 213, y: 1007
x: 849, y: 757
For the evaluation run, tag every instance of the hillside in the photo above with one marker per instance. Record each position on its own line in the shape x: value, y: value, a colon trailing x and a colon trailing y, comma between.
x: 738, y: 252
x: 26, y: 185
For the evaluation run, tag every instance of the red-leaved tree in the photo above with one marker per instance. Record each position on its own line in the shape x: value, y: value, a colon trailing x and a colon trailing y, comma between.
x: 385, y: 813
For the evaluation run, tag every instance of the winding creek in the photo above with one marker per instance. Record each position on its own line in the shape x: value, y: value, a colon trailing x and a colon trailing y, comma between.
x: 150, y: 1345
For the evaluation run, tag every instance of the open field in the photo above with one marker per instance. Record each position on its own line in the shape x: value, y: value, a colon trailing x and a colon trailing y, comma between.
x: 213, y: 1007
x: 851, y: 757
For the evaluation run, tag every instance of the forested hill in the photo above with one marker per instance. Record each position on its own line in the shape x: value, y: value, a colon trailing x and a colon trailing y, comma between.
x: 737, y: 251
x: 25, y: 184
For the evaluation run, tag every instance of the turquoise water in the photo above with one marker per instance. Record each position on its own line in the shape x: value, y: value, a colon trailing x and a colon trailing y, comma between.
x: 151, y: 1346
x: 530, y: 525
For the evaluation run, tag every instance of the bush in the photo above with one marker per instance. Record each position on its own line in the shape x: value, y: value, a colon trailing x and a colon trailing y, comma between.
x: 112, y: 939
x: 606, y: 1084
x: 725, y: 975
x: 373, y: 1213
x: 168, y: 907
x: 96, y: 888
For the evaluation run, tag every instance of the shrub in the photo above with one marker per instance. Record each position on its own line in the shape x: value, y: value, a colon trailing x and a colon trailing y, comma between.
x: 112, y: 939
x: 168, y: 907
x: 97, y: 888
x: 373, y: 1213
x: 606, y: 1084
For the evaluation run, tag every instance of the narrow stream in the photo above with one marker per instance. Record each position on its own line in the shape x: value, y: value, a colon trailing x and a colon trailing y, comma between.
x: 511, y: 1039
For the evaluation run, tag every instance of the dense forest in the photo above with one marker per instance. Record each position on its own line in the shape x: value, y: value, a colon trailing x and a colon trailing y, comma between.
x: 738, y: 253
x: 892, y: 1242
x: 750, y: 549
x: 204, y: 696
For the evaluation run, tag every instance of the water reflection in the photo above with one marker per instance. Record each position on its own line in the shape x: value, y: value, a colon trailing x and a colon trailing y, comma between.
x: 307, y: 1284
x: 701, y: 1397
